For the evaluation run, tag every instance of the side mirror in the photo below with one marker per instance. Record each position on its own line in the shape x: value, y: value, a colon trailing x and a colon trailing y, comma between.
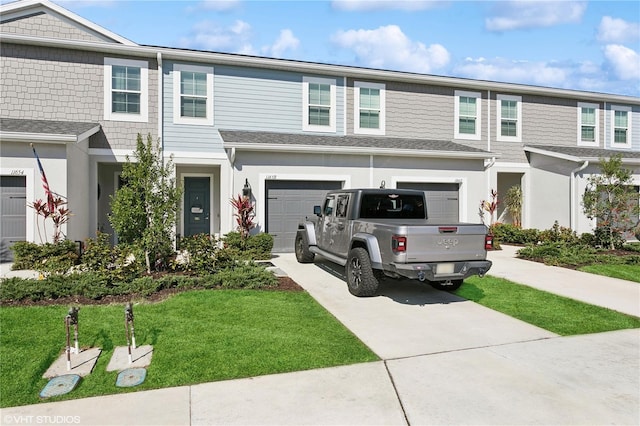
x: 317, y: 210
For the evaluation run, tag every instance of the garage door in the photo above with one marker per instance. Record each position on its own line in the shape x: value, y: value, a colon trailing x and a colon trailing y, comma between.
x: 288, y: 203
x: 13, y: 224
x: 442, y: 200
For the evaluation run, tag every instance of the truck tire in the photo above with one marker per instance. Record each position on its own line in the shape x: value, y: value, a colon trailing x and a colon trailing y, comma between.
x: 452, y: 285
x: 360, y: 277
x: 303, y: 255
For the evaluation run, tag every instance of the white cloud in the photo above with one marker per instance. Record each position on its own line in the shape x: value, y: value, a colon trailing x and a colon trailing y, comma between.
x: 208, y: 35
x: 513, y: 15
x: 624, y: 61
x: 219, y: 5
x: 524, y: 72
x: 286, y: 41
x: 367, y: 5
x: 612, y: 30
x: 388, y: 47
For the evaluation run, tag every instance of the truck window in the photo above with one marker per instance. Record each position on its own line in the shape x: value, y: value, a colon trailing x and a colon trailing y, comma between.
x: 329, y: 205
x: 341, y: 206
x: 380, y: 206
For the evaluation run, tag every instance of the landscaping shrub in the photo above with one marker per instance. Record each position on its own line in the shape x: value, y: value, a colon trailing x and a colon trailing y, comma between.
x: 249, y: 276
x: 560, y: 254
x: 49, y: 258
x: 512, y: 234
x: 254, y: 247
x: 605, y: 238
x: 197, y: 254
x: 123, y: 262
x: 558, y: 234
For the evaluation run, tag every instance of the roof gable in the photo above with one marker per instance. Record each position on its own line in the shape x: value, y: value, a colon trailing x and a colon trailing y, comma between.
x: 44, y: 19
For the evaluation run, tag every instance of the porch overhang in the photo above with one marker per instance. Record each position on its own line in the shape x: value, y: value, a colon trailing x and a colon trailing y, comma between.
x: 46, y: 131
x: 358, y: 145
x: 582, y: 154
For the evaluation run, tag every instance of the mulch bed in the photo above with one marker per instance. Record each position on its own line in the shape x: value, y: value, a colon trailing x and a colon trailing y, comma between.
x: 284, y: 284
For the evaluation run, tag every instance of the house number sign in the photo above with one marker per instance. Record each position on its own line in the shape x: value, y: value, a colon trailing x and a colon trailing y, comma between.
x: 17, y: 172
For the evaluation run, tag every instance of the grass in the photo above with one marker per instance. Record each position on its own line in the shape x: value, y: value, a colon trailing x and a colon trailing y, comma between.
x: 624, y: 272
x: 554, y: 313
x: 198, y: 336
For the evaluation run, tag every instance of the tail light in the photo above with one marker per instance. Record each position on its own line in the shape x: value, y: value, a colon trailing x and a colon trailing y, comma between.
x: 488, y: 242
x: 399, y: 244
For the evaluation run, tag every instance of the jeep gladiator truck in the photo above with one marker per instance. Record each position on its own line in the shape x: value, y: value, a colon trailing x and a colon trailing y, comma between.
x: 379, y: 233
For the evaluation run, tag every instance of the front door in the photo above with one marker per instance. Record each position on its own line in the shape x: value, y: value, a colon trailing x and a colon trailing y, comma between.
x: 196, y: 205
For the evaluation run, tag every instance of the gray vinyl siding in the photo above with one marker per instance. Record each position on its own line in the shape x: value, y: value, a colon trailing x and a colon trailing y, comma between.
x: 47, y: 26
x: 67, y: 85
x: 243, y: 99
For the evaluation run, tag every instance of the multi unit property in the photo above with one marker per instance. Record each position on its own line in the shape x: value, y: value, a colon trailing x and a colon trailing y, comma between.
x: 282, y: 131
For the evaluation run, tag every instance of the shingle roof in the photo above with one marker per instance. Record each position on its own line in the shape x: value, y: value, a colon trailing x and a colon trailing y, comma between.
x: 62, y: 128
x: 585, y: 153
x: 258, y: 140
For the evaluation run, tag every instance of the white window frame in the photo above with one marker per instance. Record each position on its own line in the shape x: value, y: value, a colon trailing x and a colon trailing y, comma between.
x: 499, y: 136
x: 628, y: 110
x: 478, y: 96
x: 381, y: 130
x: 177, y: 72
x: 143, y: 117
x: 596, y: 141
x: 331, y: 128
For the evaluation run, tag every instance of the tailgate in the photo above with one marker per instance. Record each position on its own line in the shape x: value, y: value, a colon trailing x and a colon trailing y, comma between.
x: 446, y: 243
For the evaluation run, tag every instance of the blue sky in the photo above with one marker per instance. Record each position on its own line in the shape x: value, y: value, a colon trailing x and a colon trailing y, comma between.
x: 583, y: 45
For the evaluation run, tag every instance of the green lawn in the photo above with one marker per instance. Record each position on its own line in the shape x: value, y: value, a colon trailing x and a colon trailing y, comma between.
x: 624, y: 272
x: 198, y: 336
x: 545, y: 310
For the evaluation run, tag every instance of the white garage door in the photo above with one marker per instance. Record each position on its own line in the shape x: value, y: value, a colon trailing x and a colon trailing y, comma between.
x: 13, y: 222
x: 288, y: 203
x: 443, y: 202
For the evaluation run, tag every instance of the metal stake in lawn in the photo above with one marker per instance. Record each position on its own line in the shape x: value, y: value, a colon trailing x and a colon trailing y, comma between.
x: 69, y: 320
x: 128, y: 324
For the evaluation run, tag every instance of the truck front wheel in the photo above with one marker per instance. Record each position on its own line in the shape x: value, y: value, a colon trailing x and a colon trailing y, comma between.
x: 360, y: 278
x: 303, y: 255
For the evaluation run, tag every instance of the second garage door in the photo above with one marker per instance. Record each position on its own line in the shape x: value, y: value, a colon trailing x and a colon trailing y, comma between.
x: 443, y: 203
x: 288, y: 202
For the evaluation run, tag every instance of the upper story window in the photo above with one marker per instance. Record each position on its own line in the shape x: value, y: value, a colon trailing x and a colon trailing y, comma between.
x: 509, y: 118
x: 467, y: 115
x: 369, y: 108
x: 319, y: 103
x: 588, y: 124
x: 126, y: 84
x: 620, y: 126
x: 192, y: 94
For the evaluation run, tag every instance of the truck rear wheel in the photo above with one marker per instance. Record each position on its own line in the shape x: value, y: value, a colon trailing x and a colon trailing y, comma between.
x: 303, y: 255
x: 360, y: 277
x: 452, y: 285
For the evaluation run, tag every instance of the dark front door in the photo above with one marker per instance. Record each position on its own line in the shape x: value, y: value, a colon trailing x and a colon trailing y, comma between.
x: 196, y: 205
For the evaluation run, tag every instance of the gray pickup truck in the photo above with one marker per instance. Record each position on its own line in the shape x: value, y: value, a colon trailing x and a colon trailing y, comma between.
x: 379, y: 233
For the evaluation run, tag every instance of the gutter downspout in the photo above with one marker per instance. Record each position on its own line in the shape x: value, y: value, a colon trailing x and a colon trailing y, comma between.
x: 572, y: 190
x: 160, y: 98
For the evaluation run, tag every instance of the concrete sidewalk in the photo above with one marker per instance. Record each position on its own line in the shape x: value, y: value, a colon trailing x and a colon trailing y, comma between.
x: 445, y: 360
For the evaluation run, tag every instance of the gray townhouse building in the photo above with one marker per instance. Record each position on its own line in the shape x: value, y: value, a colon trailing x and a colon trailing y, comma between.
x: 284, y: 130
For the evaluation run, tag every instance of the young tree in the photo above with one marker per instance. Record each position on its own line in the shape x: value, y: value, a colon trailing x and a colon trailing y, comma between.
x: 611, y: 198
x: 143, y: 210
x: 513, y: 202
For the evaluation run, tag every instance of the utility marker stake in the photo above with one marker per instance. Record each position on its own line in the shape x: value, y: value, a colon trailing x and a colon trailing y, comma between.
x: 129, y: 330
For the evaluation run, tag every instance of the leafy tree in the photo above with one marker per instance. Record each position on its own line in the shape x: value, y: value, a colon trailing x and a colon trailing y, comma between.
x: 513, y: 201
x: 611, y: 199
x: 144, y: 208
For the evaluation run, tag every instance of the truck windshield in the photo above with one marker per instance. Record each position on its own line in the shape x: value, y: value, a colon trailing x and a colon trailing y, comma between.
x: 380, y: 206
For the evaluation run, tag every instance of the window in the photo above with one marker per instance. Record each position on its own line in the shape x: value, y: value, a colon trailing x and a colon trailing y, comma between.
x: 369, y: 108
x: 588, y: 124
x: 192, y: 94
x: 341, y: 207
x: 125, y: 90
x: 467, y: 115
x: 319, y: 101
x: 620, y: 127
x: 509, y: 120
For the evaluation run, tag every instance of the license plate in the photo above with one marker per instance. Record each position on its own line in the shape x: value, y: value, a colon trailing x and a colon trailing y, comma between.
x: 445, y: 268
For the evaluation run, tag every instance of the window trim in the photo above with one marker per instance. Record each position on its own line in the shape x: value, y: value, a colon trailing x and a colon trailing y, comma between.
x: 381, y: 130
x: 628, y: 110
x: 109, y: 115
x: 177, y: 95
x: 478, y: 133
x: 331, y: 128
x: 499, y: 136
x: 596, y: 141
